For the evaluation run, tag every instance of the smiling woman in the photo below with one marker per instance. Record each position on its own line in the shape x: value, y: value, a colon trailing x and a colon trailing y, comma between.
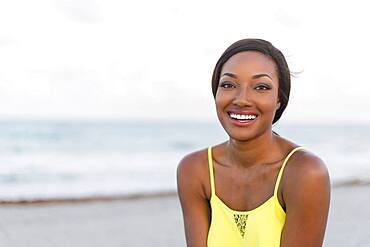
x: 270, y: 191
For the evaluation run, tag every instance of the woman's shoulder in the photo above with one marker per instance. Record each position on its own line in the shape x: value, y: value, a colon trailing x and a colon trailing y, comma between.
x: 197, y: 161
x: 193, y: 168
x: 303, y: 160
x: 305, y: 173
x: 306, y: 163
x: 194, y: 160
x: 304, y: 166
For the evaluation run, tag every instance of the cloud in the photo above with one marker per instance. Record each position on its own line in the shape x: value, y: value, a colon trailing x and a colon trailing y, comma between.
x: 287, y: 19
x: 80, y: 10
x: 5, y: 41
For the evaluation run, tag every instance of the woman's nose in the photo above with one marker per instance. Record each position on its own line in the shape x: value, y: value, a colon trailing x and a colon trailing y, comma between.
x: 242, y: 97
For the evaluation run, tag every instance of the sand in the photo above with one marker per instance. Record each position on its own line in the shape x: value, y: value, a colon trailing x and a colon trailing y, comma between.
x: 153, y: 221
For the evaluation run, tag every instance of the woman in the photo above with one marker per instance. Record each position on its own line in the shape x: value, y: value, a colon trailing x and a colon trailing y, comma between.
x: 256, y: 189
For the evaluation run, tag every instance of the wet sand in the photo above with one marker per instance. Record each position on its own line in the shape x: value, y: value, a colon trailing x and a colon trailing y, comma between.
x: 152, y: 221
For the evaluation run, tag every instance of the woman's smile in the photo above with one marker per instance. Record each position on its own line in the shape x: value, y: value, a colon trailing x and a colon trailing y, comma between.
x: 242, y: 118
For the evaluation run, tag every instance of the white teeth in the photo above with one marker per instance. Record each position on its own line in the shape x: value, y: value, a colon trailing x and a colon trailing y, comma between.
x: 241, y: 117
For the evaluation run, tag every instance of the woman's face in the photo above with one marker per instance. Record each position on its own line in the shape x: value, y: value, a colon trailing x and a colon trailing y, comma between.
x: 247, y: 95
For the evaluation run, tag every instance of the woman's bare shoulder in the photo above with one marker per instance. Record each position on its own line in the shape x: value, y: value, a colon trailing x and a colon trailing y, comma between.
x: 193, y: 168
x: 305, y: 168
x: 302, y: 159
x: 195, y: 206
x: 307, y: 198
x: 193, y: 162
x: 302, y: 165
x: 305, y: 161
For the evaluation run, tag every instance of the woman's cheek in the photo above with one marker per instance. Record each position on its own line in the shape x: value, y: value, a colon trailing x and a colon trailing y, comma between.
x: 222, y: 99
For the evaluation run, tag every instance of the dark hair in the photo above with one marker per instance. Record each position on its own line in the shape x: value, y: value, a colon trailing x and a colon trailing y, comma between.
x: 267, y: 49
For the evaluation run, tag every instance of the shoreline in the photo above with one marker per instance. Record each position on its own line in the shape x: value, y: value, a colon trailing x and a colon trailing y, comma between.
x: 135, y: 196
x: 88, y: 199
x: 152, y: 221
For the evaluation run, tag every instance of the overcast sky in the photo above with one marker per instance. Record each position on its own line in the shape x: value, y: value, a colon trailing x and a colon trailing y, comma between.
x: 153, y: 60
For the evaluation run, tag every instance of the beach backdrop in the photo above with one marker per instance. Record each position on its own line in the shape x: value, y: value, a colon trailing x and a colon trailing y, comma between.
x: 63, y: 160
x: 101, y: 99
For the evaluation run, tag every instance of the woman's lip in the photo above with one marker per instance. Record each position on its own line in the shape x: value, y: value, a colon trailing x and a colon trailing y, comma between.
x: 242, y: 123
x: 242, y: 112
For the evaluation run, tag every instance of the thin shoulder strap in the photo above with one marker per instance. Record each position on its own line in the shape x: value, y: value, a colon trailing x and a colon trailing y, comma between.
x: 282, y: 169
x: 210, y: 164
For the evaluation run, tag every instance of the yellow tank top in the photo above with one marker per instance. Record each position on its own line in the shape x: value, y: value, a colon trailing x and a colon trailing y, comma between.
x: 259, y: 227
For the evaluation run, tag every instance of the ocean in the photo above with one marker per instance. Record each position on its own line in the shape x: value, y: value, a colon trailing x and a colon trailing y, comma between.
x: 63, y: 160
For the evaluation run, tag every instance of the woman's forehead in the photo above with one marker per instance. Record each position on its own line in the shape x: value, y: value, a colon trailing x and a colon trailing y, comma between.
x: 253, y: 60
x: 250, y: 62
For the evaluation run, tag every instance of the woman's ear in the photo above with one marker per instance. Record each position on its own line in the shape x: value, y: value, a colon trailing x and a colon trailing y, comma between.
x: 278, y: 105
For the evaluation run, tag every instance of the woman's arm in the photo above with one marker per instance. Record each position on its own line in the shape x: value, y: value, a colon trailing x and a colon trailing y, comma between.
x: 307, y: 199
x: 195, y: 206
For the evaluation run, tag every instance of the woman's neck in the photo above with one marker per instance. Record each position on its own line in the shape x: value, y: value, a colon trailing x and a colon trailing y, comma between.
x: 250, y: 153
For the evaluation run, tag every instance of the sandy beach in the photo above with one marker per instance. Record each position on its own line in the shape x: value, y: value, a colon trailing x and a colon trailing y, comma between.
x: 152, y: 221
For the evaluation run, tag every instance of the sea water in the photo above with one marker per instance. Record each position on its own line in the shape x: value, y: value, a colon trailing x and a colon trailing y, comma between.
x: 44, y: 160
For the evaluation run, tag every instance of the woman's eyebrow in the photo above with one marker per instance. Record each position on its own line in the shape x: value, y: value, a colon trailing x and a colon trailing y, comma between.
x: 253, y: 77
x: 260, y: 75
x: 229, y: 74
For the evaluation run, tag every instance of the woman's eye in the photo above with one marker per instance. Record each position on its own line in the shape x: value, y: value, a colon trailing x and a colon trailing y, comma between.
x: 226, y: 85
x: 262, y: 87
